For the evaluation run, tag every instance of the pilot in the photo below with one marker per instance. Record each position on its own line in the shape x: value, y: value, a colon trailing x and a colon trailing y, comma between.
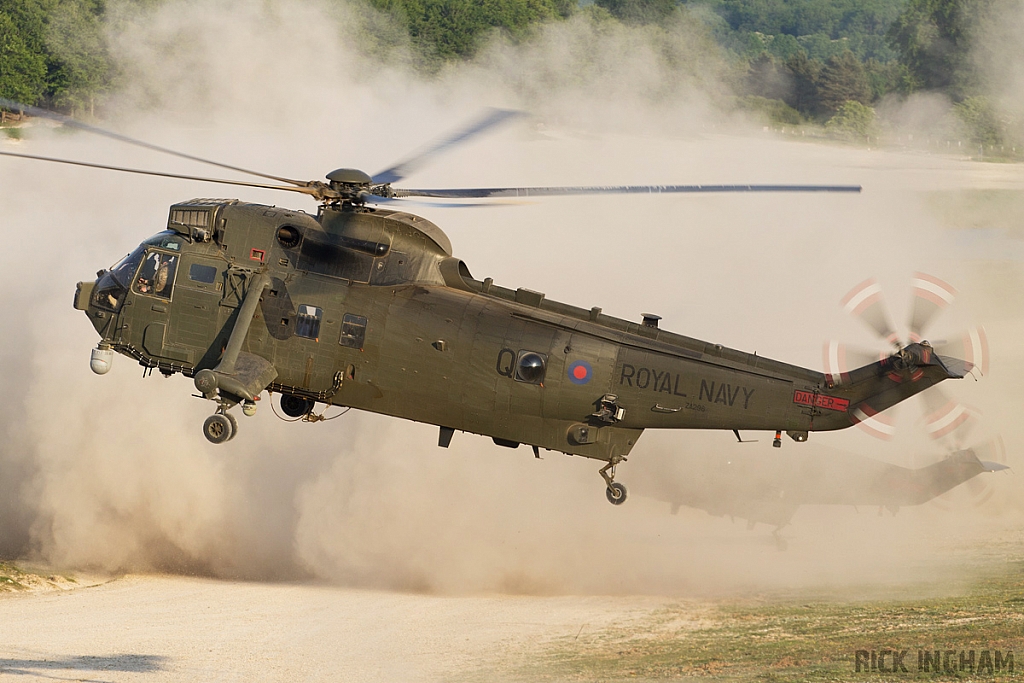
x: 148, y: 272
x: 163, y: 276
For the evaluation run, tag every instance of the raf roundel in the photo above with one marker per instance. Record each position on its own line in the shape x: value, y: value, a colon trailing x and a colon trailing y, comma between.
x: 580, y: 372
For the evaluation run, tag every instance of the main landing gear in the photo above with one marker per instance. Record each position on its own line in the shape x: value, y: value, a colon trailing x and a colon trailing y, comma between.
x: 222, y: 425
x: 615, y: 492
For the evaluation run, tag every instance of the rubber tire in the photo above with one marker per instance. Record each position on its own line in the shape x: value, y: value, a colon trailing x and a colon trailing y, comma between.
x: 616, y: 493
x: 296, y: 406
x: 217, y: 428
x: 234, y: 425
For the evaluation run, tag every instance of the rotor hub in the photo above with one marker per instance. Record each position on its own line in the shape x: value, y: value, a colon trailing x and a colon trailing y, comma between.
x: 348, y: 176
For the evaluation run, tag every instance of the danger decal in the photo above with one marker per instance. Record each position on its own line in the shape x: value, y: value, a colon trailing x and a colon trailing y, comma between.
x: 809, y: 398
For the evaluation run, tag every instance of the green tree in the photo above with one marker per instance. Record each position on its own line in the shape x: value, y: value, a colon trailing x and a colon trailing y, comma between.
x: 30, y: 18
x: 448, y: 29
x: 853, y: 120
x: 821, y: 47
x: 766, y: 79
x: 933, y: 39
x: 22, y: 71
x: 80, y: 68
x: 639, y: 11
x: 980, y: 121
x: 783, y: 46
x: 804, y: 75
x: 842, y: 80
x: 887, y: 77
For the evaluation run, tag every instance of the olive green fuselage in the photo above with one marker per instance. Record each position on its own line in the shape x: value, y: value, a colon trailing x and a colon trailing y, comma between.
x: 367, y: 308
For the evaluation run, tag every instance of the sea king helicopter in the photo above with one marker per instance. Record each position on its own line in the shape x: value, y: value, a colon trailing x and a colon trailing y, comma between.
x: 366, y: 307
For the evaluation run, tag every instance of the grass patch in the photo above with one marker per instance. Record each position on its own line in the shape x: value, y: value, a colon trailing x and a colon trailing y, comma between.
x: 790, y: 639
x: 11, y: 578
x: 21, y: 578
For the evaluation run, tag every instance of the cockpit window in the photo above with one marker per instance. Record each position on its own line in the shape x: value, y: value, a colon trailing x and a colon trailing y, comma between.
x: 156, y: 276
x: 111, y: 287
x: 167, y: 239
x: 123, y: 270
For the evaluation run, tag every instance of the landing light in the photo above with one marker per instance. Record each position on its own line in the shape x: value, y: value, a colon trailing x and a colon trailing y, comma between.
x: 101, y: 360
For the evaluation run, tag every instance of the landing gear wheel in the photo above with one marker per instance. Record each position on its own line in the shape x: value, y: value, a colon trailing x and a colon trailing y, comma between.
x: 616, y: 493
x: 296, y: 406
x: 234, y: 425
x: 218, y: 428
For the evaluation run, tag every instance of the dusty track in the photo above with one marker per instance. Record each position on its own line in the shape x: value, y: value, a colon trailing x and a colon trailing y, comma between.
x: 162, y: 628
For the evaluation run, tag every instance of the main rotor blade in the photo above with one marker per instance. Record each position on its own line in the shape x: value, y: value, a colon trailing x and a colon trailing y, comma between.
x: 477, y: 193
x: 72, y: 123
x: 402, y: 204
x: 491, y: 118
x: 304, y: 190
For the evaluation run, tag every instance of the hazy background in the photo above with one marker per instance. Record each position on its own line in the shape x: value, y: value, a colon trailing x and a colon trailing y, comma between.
x: 113, y: 472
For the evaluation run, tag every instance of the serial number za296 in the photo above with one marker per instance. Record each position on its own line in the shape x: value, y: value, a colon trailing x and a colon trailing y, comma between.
x: 696, y: 406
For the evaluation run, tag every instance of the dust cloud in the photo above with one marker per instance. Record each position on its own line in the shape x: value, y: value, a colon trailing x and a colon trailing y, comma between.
x: 112, y: 472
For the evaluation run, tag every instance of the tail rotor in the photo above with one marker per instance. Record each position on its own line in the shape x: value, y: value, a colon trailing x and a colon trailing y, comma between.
x: 931, y: 295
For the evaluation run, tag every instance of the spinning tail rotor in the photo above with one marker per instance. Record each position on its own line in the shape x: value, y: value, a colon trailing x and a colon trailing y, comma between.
x: 962, y: 354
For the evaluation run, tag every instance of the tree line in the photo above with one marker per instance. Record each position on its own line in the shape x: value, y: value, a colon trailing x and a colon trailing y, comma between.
x: 53, y: 53
x: 796, y: 61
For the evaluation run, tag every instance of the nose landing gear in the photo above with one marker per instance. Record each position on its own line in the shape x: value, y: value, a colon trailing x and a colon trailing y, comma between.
x: 615, y: 491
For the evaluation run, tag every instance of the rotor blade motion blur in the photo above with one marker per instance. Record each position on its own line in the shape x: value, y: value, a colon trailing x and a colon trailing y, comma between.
x: 72, y: 123
x: 866, y: 302
x: 479, y: 193
x: 304, y: 190
x: 492, y: 118
x: 931, y: 295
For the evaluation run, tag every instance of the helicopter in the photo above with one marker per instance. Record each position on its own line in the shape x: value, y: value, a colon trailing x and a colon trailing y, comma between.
x: 364, y: 305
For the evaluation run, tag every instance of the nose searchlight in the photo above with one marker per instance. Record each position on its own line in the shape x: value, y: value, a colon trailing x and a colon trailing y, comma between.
x: 101, y: 359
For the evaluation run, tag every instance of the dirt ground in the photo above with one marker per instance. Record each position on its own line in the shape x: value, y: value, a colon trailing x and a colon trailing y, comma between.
x: 174, y: 628
x: 169, y: 628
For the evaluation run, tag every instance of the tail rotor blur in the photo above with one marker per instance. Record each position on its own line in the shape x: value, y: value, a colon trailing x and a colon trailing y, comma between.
x: 866, y: 302
x: 931, y: 295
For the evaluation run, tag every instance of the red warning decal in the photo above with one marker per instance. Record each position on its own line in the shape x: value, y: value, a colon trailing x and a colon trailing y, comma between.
x: 809, y: 398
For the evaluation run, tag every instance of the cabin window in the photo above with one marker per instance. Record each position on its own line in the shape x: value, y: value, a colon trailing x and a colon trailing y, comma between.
x: 307, y: 321
x: 530, y: 367
x: 156, y: 277
x: 353, y: 331
x: 197, y: 272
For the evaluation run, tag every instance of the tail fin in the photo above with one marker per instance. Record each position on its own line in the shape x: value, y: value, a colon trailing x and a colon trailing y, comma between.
x: 879, y: 386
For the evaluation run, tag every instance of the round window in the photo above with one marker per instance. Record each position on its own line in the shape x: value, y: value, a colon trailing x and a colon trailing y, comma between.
x: 530, y: 367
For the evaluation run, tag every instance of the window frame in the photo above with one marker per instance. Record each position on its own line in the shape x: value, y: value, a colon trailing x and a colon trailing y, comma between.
x: 169, y: 286
x: 359, y: 322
